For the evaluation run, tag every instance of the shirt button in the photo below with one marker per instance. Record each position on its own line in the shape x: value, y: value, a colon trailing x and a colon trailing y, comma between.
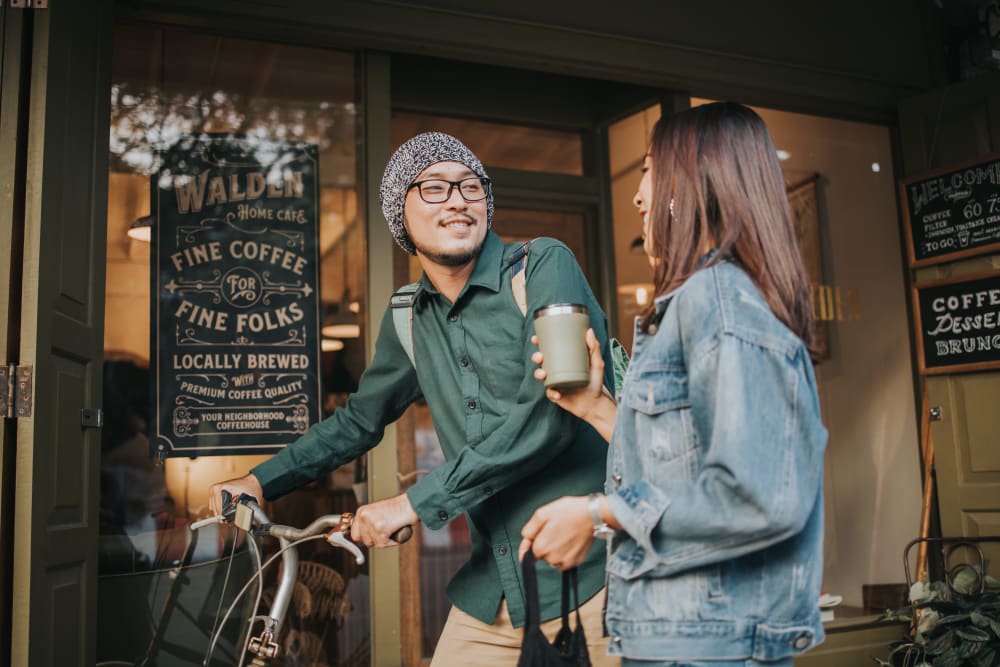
x: 472, y: 405
x: 616, y: 478
x: 502, y: 550
x: 443, y: 515
x: 801, y: 642
x: 464, y: 361
x: 453, y: 318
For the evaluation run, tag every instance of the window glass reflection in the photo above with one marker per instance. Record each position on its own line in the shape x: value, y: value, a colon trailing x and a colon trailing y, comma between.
x: 500, y: 145
x: 168, y: 85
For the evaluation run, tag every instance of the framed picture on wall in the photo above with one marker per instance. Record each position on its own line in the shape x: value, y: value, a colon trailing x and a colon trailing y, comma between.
x: 805, y: 217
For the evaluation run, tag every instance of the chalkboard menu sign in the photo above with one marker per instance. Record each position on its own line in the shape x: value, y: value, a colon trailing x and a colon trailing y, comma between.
x: 958, y: 322
x: 954, y: 212
x: 235, y: 311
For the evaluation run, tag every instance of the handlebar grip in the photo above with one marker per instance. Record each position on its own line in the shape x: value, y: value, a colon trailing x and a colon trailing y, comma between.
x: 402, y: 535
x: 229, y: 503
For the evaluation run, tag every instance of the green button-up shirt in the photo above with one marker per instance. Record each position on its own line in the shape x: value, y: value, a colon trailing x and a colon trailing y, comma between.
x: 508, y: 450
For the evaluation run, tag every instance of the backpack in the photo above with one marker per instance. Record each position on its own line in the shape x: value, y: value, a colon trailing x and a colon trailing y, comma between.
x: 401, y: 304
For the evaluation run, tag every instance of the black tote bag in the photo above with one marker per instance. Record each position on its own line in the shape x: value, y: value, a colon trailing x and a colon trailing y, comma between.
x: 569, y: 648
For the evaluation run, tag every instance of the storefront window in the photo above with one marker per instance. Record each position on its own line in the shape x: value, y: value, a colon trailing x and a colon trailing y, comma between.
x: 499, y: 144
x: 172, y: 88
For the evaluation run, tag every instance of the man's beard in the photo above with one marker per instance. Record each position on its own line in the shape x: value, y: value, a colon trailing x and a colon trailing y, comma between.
x: 460, y: 259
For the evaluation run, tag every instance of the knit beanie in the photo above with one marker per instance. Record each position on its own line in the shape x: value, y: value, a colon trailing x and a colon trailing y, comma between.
x: 406, y: 164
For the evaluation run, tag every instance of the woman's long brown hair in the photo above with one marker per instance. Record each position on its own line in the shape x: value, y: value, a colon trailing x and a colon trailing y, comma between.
x: 718, y: 165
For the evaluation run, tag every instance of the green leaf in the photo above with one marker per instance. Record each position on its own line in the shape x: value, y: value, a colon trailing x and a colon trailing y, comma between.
x: 940, y: 644
x: 978, y: 619
x: 948, y: 659
x: 966, y: 580
x: 986, y: 658
x: 953, y: 618
x: 973, y: 634
x: 970, y: 648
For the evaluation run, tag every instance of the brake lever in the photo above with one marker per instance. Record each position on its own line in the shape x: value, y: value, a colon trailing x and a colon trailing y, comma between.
x: 338, y: 536
x: 338, y: 539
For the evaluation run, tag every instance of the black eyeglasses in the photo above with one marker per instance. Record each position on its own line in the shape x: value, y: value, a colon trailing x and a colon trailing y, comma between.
x: 438, y: 191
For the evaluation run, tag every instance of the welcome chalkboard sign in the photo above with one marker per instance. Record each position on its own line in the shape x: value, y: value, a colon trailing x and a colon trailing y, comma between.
x: 235, y: 312
x: 958, y: 324
x: 953, y: 212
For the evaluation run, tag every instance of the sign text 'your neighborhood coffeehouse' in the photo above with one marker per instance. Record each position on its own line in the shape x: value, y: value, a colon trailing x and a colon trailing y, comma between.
x: 235, y: 334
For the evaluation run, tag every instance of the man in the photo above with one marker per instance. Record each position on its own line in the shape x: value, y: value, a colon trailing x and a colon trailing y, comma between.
x: 508, y: 449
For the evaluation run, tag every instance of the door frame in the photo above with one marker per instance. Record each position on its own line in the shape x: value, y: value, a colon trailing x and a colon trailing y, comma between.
x: 55, y: 488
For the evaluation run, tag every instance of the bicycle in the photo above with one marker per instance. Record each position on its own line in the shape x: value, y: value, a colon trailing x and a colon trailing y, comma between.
x: 246, y: 514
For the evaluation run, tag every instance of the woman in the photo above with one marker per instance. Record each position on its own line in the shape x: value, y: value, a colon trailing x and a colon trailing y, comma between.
x: 714, y: 488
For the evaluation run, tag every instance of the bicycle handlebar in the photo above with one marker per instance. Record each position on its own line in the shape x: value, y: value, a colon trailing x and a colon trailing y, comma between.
x: 247, y: 514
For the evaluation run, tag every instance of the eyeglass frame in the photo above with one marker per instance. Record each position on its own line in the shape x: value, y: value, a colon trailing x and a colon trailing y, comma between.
x: 484, y: 180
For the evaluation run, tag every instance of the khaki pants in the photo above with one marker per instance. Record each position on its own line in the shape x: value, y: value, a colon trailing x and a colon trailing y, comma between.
x: 468, y: 642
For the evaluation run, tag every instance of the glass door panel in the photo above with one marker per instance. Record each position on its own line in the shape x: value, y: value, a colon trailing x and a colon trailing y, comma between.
x: 168, y: 85
x: 529, y: 167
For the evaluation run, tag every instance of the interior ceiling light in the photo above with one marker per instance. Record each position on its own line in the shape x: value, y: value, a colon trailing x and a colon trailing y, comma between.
x: 141, y: 229
x: 342, y: 330
x: 331, y: 345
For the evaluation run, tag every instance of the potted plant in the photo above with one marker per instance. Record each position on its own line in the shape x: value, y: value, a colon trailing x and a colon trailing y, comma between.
x: 957, y: 623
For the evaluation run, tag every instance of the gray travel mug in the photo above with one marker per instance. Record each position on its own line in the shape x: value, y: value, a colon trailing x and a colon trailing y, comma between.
x: 561, y: 329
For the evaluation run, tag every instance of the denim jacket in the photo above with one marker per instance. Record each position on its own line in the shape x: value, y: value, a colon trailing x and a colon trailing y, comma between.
x: 715, y: 472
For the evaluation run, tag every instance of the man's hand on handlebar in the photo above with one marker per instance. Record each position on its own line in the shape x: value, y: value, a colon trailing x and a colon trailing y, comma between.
x: 247, y: 484
x: 382, y: 524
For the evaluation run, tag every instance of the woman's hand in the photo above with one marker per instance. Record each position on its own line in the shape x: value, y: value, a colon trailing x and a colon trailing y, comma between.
x: 591, y: 403
x: 559, y: 533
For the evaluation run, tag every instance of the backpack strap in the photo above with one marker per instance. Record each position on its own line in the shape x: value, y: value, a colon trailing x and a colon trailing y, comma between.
x: 401, y: 303
x: 518, y: 265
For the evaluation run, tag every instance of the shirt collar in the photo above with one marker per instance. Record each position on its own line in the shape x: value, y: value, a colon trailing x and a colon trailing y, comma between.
x: 485, y: 273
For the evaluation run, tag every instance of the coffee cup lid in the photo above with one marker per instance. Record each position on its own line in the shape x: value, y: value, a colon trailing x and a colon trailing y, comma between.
x: 560, y: 309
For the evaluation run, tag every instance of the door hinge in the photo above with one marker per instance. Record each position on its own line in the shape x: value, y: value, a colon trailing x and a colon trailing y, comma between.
x: 28, y: 4
x: 15, y: 391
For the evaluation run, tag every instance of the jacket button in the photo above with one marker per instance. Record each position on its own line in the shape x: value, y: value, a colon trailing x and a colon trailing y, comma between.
x: 616, y: 640
x: 453, y: 318
x: 487, y: 490
x: 801, y: 642
x: 652, y: 329
x: 464, y: 361
x: 502, y: 550
x: 443, y: 515
x: 472, y: 405
x: 616, y: 478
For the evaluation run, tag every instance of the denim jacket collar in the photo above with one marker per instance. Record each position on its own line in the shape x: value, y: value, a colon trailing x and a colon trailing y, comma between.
x: 663, y: 300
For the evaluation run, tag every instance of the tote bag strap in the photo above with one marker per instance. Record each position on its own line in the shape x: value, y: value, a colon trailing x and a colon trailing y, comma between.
x: 569, y: 580
x: 531, y: 610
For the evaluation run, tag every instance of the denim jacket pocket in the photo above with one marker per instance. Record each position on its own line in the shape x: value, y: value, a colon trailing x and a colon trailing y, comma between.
x: 660, y: 406
x: 655, y: 390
